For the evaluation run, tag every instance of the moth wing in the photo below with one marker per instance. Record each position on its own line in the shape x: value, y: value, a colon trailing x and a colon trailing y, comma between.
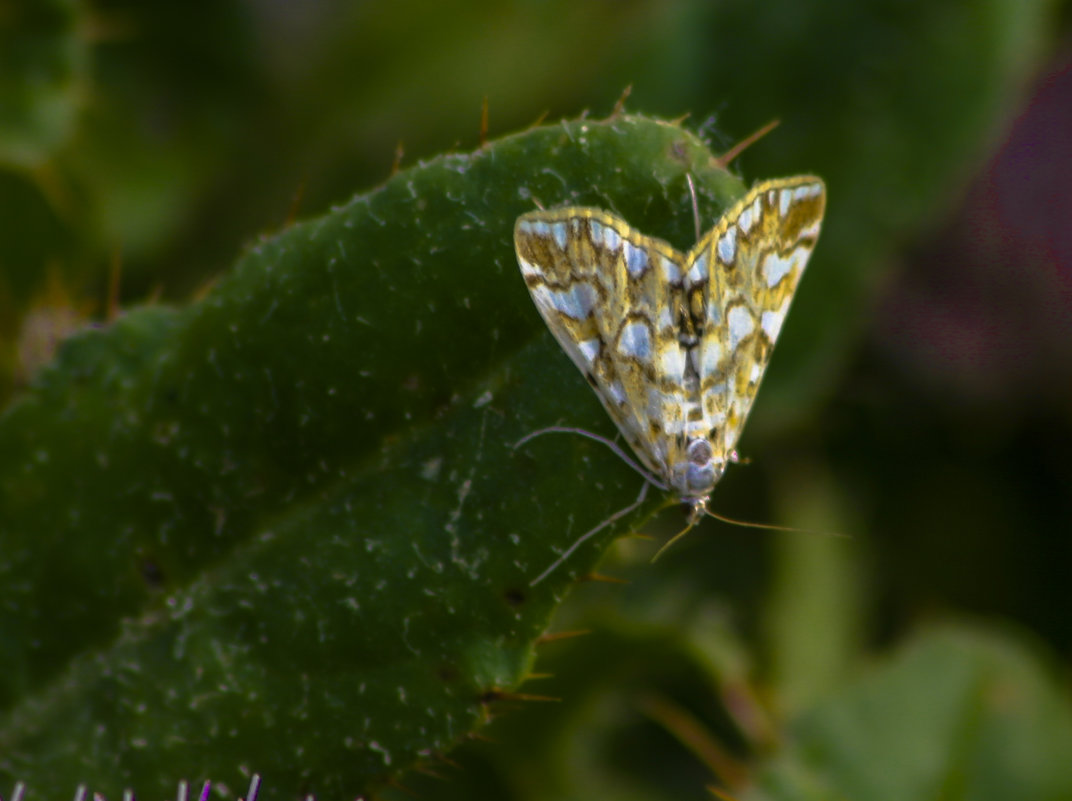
x: 612, y: 297
x: 740, y: 281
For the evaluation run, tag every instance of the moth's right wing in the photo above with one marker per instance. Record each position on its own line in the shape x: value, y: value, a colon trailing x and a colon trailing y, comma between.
x: 741, y: 278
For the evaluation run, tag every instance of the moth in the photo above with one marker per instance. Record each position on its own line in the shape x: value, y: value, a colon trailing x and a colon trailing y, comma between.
x: 674, y: 344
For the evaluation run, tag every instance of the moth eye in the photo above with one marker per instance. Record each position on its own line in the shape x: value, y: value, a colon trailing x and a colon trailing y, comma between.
x: 701, y: 478
x: 699, y: 451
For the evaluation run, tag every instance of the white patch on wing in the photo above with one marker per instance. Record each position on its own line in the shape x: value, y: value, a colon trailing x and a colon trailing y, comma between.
x: 636, y: 259
x: 671, y: 272
x: 744, y: 220
x: 740, y: 324
x: 635, y: 341
x: 536, y: 228
x: 528, y: 268
x: 774, y: 268
x: 772, y: 322
x: 589, y: 349
x: 558, y: 231
x: 785, y: 197
x: 698, y: 271
x: 612, y: 240
x: 577, y: 302
x: 712, y: 357
x: 727, y: 246
x: 672, y: 363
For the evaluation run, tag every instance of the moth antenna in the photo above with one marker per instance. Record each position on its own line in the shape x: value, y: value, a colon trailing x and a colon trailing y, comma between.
x: 566, y: 554
x: 666, y: 546
x: 613, y: 446
x: 743, y: 523
x: 771, y: 527
x: 695, y: 205
x: 725, y: 159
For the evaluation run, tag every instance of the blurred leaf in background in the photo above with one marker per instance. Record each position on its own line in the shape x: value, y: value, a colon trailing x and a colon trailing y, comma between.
x: 918, y: 402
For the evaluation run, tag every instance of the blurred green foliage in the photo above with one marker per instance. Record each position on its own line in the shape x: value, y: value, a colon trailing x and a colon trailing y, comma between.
x: 189, y: 470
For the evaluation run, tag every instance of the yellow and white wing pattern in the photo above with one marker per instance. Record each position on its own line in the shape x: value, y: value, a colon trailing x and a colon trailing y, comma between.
x: 613, y: 299
x: 674, y: 344
x: 741, y: 279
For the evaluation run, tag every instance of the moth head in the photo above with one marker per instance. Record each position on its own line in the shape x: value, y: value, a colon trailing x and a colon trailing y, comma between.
x: 702, y: 470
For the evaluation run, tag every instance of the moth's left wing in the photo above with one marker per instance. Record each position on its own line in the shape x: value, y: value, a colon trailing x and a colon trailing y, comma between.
x: 613, y: 299
x: 740, y: 280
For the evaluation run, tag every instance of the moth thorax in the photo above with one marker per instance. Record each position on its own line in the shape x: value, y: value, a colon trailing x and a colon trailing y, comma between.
x: 701, y: 473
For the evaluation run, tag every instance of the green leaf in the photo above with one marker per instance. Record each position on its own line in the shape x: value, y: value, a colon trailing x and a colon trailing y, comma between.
x: 285, y: 529
x: 959, y: 713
